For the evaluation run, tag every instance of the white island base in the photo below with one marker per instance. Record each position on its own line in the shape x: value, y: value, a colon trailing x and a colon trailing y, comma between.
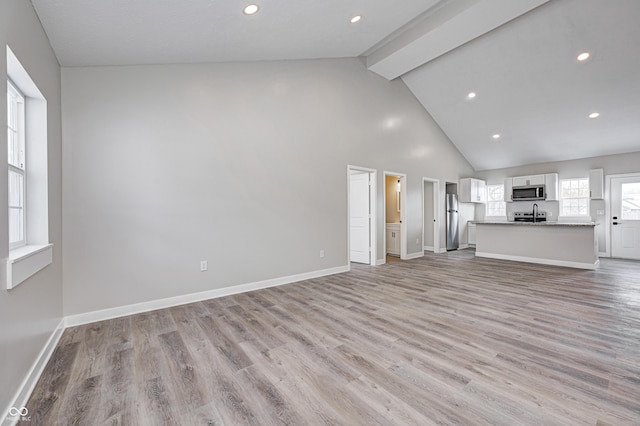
x: 573, y: 245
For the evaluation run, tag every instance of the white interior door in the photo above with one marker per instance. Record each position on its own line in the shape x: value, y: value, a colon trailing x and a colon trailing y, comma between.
x: 359, y: 218
x: 625, y: 217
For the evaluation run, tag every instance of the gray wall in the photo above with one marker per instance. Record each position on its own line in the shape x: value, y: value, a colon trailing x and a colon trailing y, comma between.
x: 612, y: 164
x: 241, y: 164
x: 30, y: 312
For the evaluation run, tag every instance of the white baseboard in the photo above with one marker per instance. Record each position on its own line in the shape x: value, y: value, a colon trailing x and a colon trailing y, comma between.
x: 427, y: 248
x: 121, y: 311
x: 381, y: 261
x: 553, y: 262
x: 31, y: 379
x: 24, y: 391
x: 414, y: 255
x: 463, y: 246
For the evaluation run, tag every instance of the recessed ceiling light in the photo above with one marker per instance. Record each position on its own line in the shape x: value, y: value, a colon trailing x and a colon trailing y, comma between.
x: 471, y: 95
x: 594, y: 115
x: 496, y: 136
x: 251, y: 9
x: 356, y: 19
x: 583, y: 56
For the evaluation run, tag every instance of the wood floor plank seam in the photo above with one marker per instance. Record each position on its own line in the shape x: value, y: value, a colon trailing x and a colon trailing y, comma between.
x: 447, y: 339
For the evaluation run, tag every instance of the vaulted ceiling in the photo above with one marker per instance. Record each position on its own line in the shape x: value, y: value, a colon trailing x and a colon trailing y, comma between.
x: 517, y: 56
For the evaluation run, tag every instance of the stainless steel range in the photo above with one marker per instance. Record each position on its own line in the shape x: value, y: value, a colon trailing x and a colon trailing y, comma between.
x: 530, y: 216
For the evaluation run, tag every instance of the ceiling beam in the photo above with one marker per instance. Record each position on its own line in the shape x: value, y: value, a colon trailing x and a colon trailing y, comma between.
x: 445, y: 28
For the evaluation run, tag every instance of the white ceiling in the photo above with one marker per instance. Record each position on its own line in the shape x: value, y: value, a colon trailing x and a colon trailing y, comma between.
x: 517, y: 55
x: 123, y: 32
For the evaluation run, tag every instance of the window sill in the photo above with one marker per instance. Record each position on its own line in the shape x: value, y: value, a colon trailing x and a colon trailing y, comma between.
x: 25, y: 261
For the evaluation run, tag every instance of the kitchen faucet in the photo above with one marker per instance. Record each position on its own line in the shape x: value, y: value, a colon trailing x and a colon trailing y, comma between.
x: 535, y: 212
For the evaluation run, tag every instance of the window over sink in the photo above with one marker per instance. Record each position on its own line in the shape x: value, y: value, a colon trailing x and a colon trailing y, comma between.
x: 496, y: 206
x: 574, y: 197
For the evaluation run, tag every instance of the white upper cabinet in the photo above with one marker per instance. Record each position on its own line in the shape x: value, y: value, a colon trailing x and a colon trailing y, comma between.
x: 520, y: 181
x: 551, y: 186
x: 537, y: 180
x: 528, y: 180
x: 473, y: 191
x: 508, y: 189
x: 550, y: 181
x: 596, y: 184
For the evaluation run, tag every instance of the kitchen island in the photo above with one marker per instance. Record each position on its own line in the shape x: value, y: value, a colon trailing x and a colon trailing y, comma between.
x: 574, y: 245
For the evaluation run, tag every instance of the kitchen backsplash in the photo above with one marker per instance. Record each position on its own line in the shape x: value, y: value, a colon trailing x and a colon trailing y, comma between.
x: 551, y: 207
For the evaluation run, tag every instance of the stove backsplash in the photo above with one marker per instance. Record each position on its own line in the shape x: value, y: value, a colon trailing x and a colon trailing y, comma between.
x: 551, y: 207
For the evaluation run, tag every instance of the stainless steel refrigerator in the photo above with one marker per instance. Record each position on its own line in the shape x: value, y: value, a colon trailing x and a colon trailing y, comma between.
x: 452, y: 222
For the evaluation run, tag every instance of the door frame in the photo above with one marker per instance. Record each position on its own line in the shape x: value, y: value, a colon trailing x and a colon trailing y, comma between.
x: 435, y: 183
x: 607, y: 208
x: 373, y: 176
x: 403, y: 213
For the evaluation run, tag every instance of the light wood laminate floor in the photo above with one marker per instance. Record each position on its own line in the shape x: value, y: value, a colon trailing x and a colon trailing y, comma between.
x: 445, y: 339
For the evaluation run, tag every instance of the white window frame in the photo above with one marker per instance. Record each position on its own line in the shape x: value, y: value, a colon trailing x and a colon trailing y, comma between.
x: 622, y: 209
x: 504, y: 204
x: 562, y: 199
x: 36, y: 252
x: 17, y: 164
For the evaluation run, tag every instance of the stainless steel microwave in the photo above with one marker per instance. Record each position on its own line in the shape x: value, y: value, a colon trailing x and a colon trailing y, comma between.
x: 528, y: 193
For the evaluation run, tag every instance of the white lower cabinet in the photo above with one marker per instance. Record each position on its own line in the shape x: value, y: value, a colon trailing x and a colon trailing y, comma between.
x: 393, y: 239
x: 471, y: 234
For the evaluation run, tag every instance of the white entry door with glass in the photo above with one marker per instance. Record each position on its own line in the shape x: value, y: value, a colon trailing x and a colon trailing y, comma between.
x: 625, y: 217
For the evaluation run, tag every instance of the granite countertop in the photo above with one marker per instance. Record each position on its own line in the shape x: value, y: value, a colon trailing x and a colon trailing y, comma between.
x: 495, y: 222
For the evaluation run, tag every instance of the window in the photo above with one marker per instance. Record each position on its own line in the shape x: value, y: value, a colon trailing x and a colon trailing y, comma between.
x: 631, y: 201
x: 16, y: 154
x: 495, y: 201
x: 27, y: 163
x: 574, y: 197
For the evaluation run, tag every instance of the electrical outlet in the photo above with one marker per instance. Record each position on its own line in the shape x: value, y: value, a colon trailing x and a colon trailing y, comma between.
x: 600, y: 212
x: 203, y: 265
x: 417, y: 240
x: 321, y: 254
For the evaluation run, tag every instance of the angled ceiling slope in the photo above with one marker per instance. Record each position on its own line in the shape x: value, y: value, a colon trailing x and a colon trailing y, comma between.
x: 530, y: 88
